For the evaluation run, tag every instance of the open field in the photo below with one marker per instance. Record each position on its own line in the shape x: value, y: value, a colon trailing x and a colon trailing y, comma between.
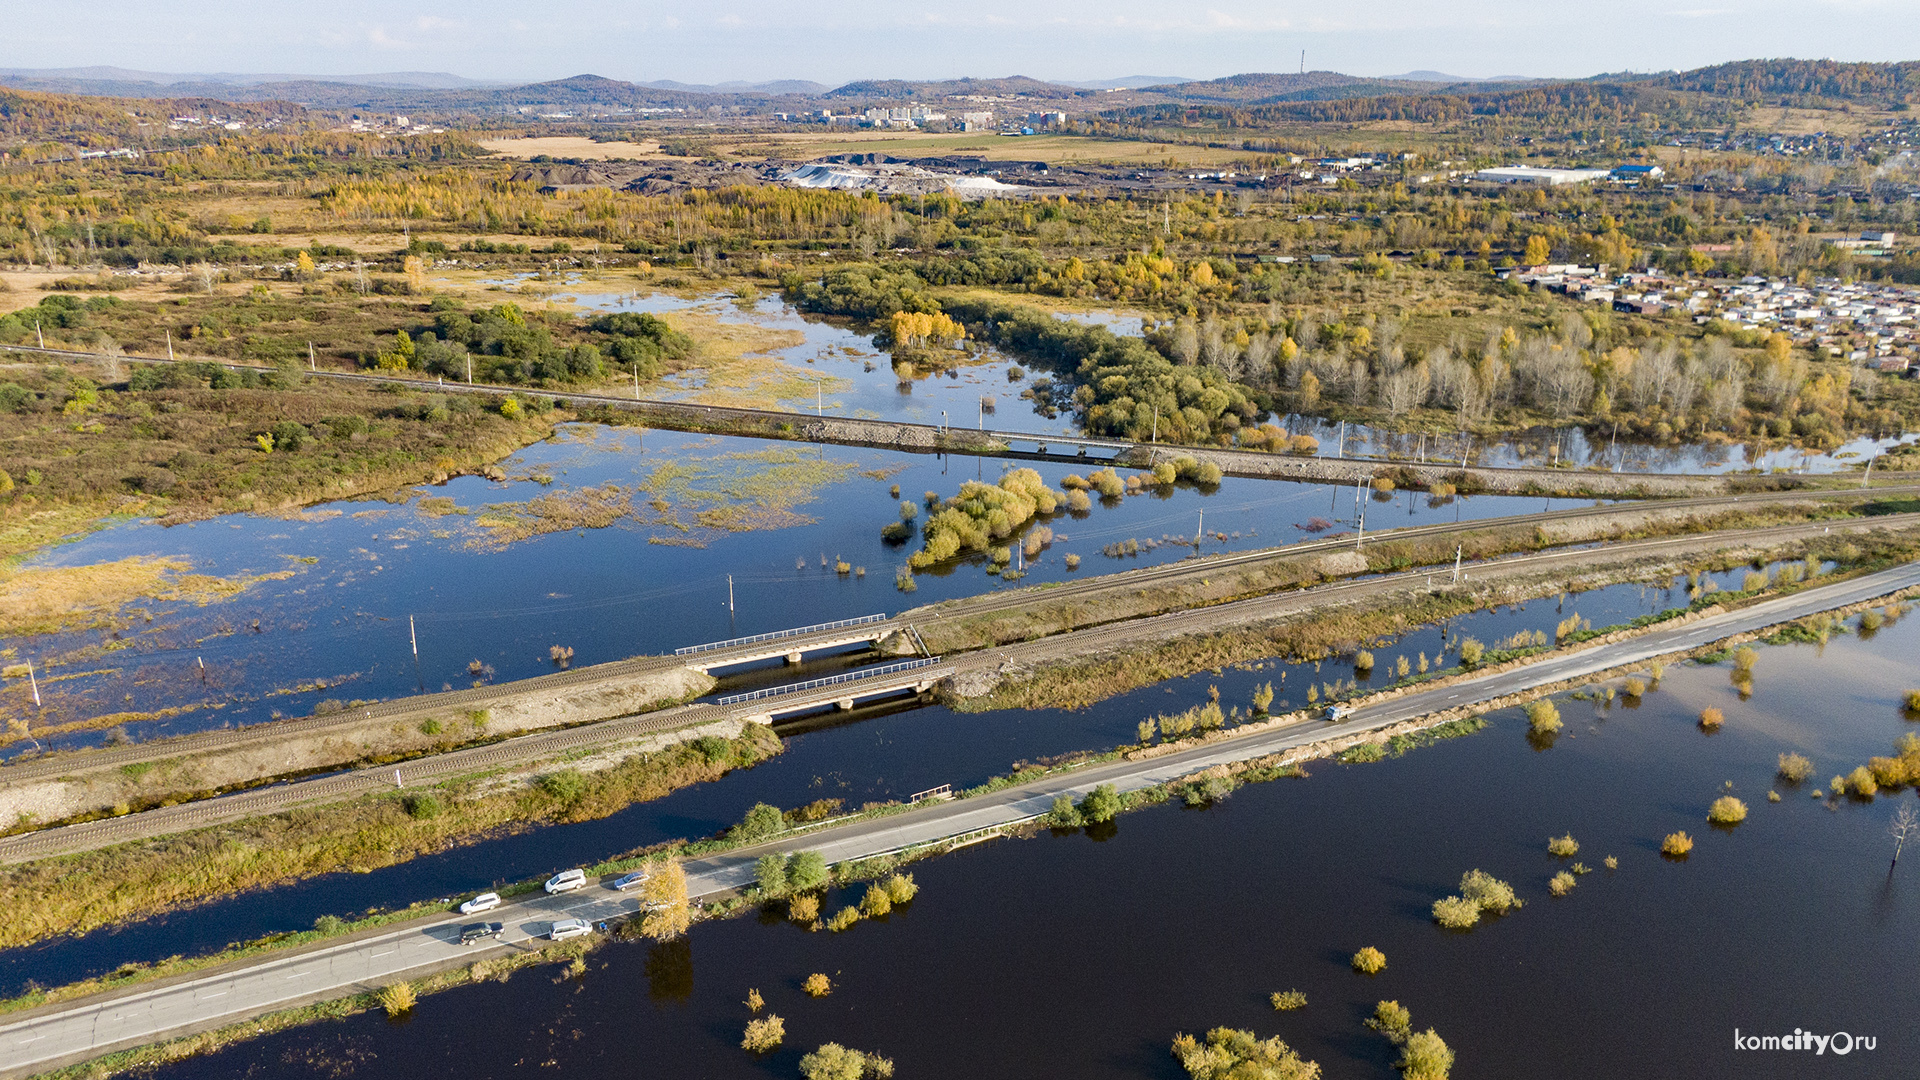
x: 572, y: 146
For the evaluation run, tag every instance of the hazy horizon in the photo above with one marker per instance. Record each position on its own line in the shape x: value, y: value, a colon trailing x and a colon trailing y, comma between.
x: 834, y: 41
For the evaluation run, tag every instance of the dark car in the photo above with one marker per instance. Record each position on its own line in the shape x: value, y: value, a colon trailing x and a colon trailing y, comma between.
x: 471, y: 934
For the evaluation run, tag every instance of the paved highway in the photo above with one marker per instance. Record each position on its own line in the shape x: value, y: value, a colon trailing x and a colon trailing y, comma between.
x: 90, y: 1027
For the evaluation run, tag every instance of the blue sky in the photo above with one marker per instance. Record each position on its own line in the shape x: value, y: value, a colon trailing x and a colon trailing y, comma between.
x: 832, y: 41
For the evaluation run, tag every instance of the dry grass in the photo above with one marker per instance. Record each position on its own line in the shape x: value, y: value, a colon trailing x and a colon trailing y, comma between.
x: 573, y: 146
x: 55, y: 599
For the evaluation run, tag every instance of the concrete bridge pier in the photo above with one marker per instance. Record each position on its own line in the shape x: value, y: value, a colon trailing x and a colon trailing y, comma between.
x: 845, y: 704
x: 793, y: 658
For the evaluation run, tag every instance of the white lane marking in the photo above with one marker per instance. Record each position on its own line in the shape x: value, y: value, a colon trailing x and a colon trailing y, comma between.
x: 377, y: 955
x: 222, y: 993
x: 36, y: 1038
x: 299, y: 974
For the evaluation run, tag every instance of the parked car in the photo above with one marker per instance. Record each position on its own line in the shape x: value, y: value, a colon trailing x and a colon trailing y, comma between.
x: 567, y: 881
x: 479, y: 930
x: 486, y: 901
x: 563, y: 929
x: 628, y: 881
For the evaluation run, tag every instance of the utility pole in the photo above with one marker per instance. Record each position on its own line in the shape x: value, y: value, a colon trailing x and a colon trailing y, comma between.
x: 1457, y: 550
x: 1200, y: 529
x: 469, y: 369
x: 729, y: 594
x: 636, y: 380
x: 1156, y: 423
x: 1864, y: 480
x: 312, y: 363
x: 39, y: 334
x: 819, y: 400
x: 36, y: 684
x: 414, y: 637
x: 1340, y: 449
x: 170, y: 346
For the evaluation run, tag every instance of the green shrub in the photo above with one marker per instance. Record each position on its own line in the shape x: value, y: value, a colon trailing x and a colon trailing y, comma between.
x: 329, y: 925
x: 566, y: 785
x: 1471, y: 650
x: 1425, y: 1057
x: 1063, y: 815
x: 843, y: 918
x: 1362, y: 662
x: 397, y: 999
x: 761, y: 821
x: 1393, y: 1020
x: 806, y: 870
x: 714, y: 748
x: 1544, y: 717
x: 1101, y: 804
x: 771, y: 873
x: 1362, y: 753
x: 422, y: 807
x: 876, y: 902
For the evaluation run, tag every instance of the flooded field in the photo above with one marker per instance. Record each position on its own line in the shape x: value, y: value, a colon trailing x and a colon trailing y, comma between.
x: 1077, y: 955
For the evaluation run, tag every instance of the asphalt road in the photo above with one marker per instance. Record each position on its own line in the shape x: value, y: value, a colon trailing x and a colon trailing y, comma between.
x: 78, y: 1030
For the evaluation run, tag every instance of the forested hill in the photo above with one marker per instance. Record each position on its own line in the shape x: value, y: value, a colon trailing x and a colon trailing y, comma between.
x: 1805, y: 82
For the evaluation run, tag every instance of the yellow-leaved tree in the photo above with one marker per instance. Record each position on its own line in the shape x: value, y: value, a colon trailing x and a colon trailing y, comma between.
x: 663, y: 896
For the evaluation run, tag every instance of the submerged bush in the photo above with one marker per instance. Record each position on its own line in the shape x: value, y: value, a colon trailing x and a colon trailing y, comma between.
x: 1456, y: 912
x: 397, y: 999
x: 803, y: 908
x: 1727, y: 810
x: 1795, y: 768
x: 1369, y: 961
x: 1283, y: 1000
x: 1425, y: 1057
x: 983, y: 513
x: 1230, y: 1052
x: 817, y: 985
x: 843, y: 919
x: 835, y: 1062
x: 1489, y: 892
x: 1676, y: 845
x: 1544, y: 717
x: 900, y: 888
x: 876, y: 902
x: 1471, y: 650
x: 764, y: 1034
x: 1711, y: 718
x: 1563, y: 846
x: 1561, y: 883
x: 1860, y: 783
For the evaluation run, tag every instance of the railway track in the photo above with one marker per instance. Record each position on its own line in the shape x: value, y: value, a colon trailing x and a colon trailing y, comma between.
x: 529, y: 749
x: 202, y: 742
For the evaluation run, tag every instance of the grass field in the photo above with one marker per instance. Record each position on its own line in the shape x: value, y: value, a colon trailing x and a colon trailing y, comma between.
x: 572, y: 146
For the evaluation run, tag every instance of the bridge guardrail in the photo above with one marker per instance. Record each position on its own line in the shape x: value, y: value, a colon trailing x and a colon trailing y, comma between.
x: 777, y: 635
x: 830, y: 680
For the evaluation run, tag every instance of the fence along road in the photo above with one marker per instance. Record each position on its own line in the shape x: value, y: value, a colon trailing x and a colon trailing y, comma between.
x: 54, y: 1035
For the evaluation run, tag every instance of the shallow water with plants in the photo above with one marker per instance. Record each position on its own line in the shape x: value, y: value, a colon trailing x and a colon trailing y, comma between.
x: 580, y: 543
x: 1082, y: 954
x: 874, y: 754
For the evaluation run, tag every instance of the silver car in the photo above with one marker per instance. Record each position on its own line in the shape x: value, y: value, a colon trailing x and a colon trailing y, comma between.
x: 628, y: 881
x: 486, y: 901
x: 562, y: 929
x: 567, y: 881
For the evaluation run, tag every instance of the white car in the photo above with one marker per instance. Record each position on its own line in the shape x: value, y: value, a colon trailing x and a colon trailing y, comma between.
x: 486, y: 901
x: 563, y: 929
x: 567, y: 881
x: 628, y: 881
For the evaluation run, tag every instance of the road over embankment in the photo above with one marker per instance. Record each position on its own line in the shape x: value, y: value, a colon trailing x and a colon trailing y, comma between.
x: 86, y: 1028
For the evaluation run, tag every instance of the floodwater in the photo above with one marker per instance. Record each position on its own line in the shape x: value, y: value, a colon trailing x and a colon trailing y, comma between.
x: 873, y: 754
x: 1082, y: 954
x: 369, y: 579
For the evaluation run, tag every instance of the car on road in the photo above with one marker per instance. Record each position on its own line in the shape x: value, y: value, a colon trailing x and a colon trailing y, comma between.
x: 562, y: 929
x: 1337, y: 712
x: 480, y: 930
x: 567, y: 881
x: 486, y: 901
x: 628, y: 881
